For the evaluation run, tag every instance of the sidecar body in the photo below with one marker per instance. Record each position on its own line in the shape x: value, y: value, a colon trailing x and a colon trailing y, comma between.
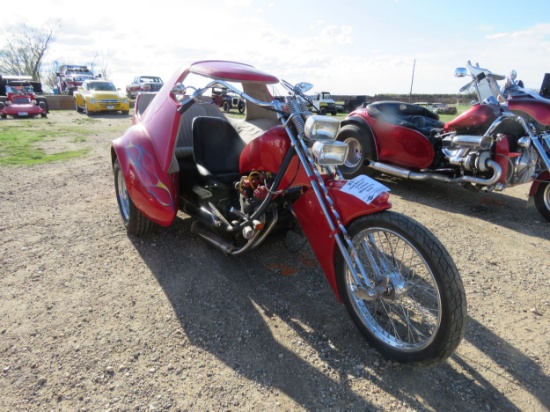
x: 152, y: 152
x: 402, y: 133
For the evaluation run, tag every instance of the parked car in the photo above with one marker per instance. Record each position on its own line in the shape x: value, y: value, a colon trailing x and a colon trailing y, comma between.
x: 438, y: 108
x: 25, y: 83
x: 143, y: 84
x: 100, y: 96
x: 227, y: 101
x: 21, y: 102
x: 443, y: 108
x: 70, y: 77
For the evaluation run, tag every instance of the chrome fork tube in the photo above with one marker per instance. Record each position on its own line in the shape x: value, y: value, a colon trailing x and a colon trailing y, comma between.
x: 317, y: 184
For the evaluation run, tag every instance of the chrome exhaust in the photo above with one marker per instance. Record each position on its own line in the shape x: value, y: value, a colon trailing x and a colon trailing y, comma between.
x: 421, y: 176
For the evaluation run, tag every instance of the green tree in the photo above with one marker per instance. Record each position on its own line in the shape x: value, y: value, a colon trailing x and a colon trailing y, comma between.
x: 25, y: 48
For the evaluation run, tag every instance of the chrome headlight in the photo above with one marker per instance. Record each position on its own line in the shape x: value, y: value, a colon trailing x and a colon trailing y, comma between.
x: 329, y: 153
x: 321, y: 128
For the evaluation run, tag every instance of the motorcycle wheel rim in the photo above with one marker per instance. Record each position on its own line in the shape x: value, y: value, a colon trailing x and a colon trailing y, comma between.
x: 546, y: 197
x: 123, y: 199
x: 355, y: 153
x: 408, y: 318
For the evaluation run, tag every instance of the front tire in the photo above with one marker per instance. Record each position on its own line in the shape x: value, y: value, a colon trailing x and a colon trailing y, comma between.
x: 542, y: 199
x: 134, y: 221
x: 77, y: 107
x: 420, y: 319
x: 361, y: 148
x: 226, y: 107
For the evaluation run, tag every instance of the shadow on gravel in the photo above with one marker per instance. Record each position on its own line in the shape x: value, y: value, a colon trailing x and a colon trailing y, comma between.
x: 498, y: 208
x: 272, y: 317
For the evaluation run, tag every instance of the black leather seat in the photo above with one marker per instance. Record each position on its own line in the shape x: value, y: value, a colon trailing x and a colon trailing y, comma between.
x: 407, y: 115
x: 217, y: 149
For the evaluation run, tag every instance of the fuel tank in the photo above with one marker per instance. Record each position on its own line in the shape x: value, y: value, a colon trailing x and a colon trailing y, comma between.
x: 538, y: 109
x: 265, y: 152
x: 479, y: 117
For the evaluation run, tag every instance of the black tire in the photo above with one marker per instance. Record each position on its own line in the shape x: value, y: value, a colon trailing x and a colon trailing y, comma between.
x: 226, y: 106
x: 77, y: 107
x: 134, y: 221
x: 323, y: 111
x: 542, y: 199
x: 361, y: 148
x: 422, y: 278
x: 125, y: 112
x: 241, y: 107
x: 43, y: 102
x: 88, y: 112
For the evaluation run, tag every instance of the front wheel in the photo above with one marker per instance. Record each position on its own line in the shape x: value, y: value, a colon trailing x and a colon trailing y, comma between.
x: 77, y: 107
x: 134, y: 221
x: 420, y: 317
x: 542, y: 199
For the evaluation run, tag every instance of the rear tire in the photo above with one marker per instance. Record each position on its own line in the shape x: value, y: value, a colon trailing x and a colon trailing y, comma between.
x: 421, y: 319
x: 226, y: 107
x: 542, y: 199
x: 361, y: 148
x: 134, y: 221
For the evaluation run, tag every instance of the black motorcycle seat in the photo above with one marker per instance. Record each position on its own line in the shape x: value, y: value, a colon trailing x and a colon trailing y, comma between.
x: 184, y: 139
x: 217, y: 149
x: 407, y: 115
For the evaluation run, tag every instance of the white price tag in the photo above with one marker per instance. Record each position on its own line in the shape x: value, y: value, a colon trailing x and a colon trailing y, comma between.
x: 364, y: 188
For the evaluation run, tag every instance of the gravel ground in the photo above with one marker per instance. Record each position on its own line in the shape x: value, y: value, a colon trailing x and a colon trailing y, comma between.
x: 95, y: 320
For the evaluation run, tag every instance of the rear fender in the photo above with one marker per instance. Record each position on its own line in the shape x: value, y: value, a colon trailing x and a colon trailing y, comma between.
x: 153, y: 192
x: 317, y: 230
x: 543, y: 177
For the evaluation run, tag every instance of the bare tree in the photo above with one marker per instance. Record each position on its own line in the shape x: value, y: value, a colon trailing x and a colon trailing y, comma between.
x: 25, y: 48
x: 101, y: 61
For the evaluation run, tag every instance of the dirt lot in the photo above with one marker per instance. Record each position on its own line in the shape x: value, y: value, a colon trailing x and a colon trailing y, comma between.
x: 95, y: 320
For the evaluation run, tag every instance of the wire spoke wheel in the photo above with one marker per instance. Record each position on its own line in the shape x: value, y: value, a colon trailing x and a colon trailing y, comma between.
x: 419, y: 315
x: 408, y: 315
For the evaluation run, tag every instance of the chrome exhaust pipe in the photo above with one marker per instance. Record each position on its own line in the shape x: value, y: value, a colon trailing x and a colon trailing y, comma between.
x: 420, y: 176
x: 229, y: 248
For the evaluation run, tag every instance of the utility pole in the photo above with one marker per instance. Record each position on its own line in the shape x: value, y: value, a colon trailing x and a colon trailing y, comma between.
x: 412, y: 81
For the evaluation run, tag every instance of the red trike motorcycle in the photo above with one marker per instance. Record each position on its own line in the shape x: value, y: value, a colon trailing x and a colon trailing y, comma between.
x: 491, y: 146
x: 276, y: 171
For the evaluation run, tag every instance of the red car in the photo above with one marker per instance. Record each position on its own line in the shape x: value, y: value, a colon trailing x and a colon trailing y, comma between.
x: 21, y: 103
x: 143, y: 84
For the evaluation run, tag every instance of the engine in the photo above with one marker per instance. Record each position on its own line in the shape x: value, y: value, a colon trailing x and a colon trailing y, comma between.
x: 468, y: 151
x: 472, y: 153
x: 253, y: 190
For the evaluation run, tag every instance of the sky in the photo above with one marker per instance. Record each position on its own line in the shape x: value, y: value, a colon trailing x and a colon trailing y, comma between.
x: 350, y: 47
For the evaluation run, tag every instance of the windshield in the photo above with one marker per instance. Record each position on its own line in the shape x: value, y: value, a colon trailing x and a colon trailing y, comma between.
x: 151, y: 80
x: 102, y: 86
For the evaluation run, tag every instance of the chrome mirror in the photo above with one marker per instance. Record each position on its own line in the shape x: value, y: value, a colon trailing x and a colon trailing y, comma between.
x: 461, y: 72
x: 303, y: 87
